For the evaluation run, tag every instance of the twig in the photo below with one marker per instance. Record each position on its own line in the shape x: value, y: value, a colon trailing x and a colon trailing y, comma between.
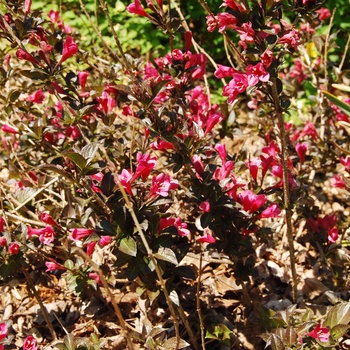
x: 198, y: 300
x: 36, y: 193
x: 286, y: 190
x: 41, y: 304
x: 345, y: 54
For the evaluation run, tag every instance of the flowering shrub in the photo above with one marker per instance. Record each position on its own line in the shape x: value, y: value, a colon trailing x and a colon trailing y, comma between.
x: 128, y: 170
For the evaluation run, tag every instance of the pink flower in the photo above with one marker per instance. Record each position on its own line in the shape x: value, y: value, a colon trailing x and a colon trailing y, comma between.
x: 82, y: 76
x: 256, y: 73
x: 337, y: 181
x: 3, y: 242
x: 76, y: 234
x: 333, y: 234
x: 224, y: 71
x: 2, y: 224
x: 90, y: 248
x: 246, y: 32
x: 27, y: 6
x: 273, y: 211
x: 181, y: 227
x: 24, y: 55
x: 197, y: 63
x: 205, y: 207
x: 162, y: 184
x: 237, y: 85
x: 226, y: 20
x: 197, y: 164
x: 267, y: 58
x: 253, y: 166
x: 70, y: 48
x: 30, y: 343
x: 106, y: 103
x: 46, y: 234
x: 105, y: 240
x: 214, y: 117
x: 36, y: 97
x: 206, y: 238
x: 324, y: 13
x: 3, y: 331
x: 272, y: 149
x: 320, y: 333
x: 346, y: 163
x: 125, y: 179
x: 250, y: 201
x: 223, y: 172
x: 301, y: 149
x: 47, y: 218
x: 9, y: 129
x: 137, y: 9
x: 310, y: 130
x: 13, y: 248
x: 291, y: 39
x: 145, y: 163
x: 94, y: 276
x: 52, y: 266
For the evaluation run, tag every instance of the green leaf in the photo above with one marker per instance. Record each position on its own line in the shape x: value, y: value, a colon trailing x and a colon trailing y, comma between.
x: 166, y: 254
x: 342, y: 105
x: 128, y: 246
x: 76, y: 158
x: 338, y: 314
x: 339, y: 330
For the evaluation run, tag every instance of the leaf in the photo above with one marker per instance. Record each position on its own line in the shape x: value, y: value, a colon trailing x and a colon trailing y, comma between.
x: 185, y: 272
x: 338, y: 314
x: 171, y: 343
x: 174, y: 297
x: 339, y: 330
x: 76, y: 158
x: 128, y: 246
x: 341, y: 87
x: 275, y: 342
x: 166, y: 254
x: 89, y: 151
x: 342, y: 105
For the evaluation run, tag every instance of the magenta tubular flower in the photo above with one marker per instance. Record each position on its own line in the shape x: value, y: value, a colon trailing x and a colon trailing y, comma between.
x: 337, y: 181
x: 8, y: 129
x: 13, y: 248
x: 253, y: 166
x: 206, y: 238
x: 301, y: 149
x: 94, y: 276
x: 90, y: 248
x: 52, y: 266
x: 237, y: 85
x: 3, y: 242
x: 256, y: 73
x: 145, y: 164
x: 27, y: 6
x: 226, y: 20
x: 77, y: 234
x: 320, y: 333
x: 23, y: 55
x: 273, y: 211
x: 333, y: 234
x: 70, y: 48
x: 346, y: 163
x: 205, y: 207
x: 47, y: 235
x: 125, y: 179
x: 162, y: 184
x: 2, y: 224
x: 323, y: 13
x: 82, y: 76
x: 181, y: 227
x: 105, y: 240
x: 137, y: 9
x: 106, y: 103
x: 47, y: 219
x: 3, y: 331
x: 30, y: 343
x: 198, y: 164
x: 224, y: 71
x: 250, y: 201
x: 214, y: 117
x: 36, y: 97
